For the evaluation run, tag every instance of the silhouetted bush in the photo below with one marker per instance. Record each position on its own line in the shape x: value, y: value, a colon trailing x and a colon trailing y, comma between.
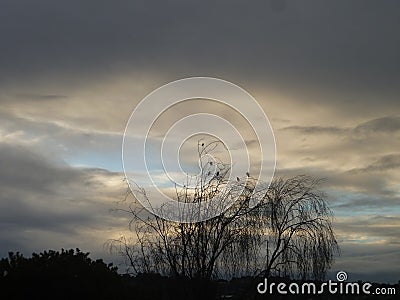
x: 57, y: 275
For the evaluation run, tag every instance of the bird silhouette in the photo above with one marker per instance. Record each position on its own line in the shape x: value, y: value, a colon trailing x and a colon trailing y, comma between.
x: 248, y: 174
x: 217, y: 173
x: 202, y: 144
x: 237, y: 178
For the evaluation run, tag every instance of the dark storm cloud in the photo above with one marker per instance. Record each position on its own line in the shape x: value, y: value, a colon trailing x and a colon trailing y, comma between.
x: 342, y: 46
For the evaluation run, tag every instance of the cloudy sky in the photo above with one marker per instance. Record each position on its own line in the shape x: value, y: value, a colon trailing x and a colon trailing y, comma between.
x: 326, y: 73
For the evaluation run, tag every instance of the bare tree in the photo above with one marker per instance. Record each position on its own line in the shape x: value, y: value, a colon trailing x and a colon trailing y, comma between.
x: 289, y: 232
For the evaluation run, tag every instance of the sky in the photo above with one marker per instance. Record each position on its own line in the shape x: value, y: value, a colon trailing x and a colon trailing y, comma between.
x: 71, y: 72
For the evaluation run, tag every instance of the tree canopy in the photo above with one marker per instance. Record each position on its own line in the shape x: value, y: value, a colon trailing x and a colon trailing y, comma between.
x: 64, y: 274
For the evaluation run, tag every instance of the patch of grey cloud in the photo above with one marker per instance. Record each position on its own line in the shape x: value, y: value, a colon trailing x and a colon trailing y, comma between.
x: 372, y: 238
x: 345, y: 47
x: 316, y: 129
x: 369, y: 146
x: 382, y: 266
x: 388, y: 124
x: 383, y: 227
x: 384, y: 163
x: 72, y: 144
x: 358, y: 203
x: 93, y: 107
x: 361, y: 171
x: 18, y: 164
x: 45, y: 97
x: 364, y: 191
x: 46, y: 205
x: 281, y: 120
x: 277, y: 5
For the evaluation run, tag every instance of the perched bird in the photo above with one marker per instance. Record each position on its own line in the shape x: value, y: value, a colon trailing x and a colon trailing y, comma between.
x: 248, y: 174
x: 237, y: 178
x: 202, y: 144
x: 217, y: 174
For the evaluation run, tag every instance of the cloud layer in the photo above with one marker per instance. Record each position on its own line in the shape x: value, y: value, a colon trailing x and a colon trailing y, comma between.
x: 45, y: 203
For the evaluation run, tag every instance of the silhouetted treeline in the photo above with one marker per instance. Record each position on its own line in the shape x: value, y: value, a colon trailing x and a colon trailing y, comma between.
x: 71, y: 274
x: 52, y: 274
